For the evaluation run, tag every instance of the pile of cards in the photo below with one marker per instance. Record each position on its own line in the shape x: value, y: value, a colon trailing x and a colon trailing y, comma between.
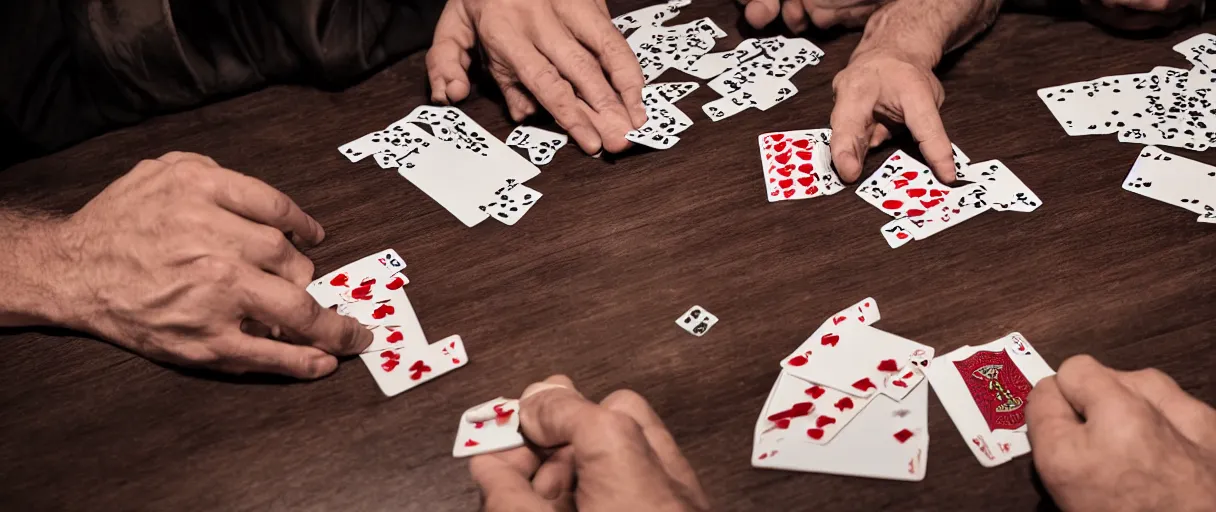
x: 1166, y: 106
x: 372, y: 291
x: 1172, y: 179
x: 798, y: 165
x: 659, y: 48
x: 907, y: 190
x: 848, y: 401
x: 455, y: 161
x: 663, y: 119
x: 755, y: 74
x: 489, y: 427
x: 985, y: 390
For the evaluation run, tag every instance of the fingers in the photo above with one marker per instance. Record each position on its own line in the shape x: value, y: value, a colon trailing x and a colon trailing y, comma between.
x: 660, y: 440
x: 596, y: 32
x: 248, y: 354
x: 1092, y: 389
x: 504, y: 479
x: 173, y: 157
x: 544, y: 81
x: 1193, y: 418
x: 554, y: 480
x: 881, y: 135
x: 794, y: 15
x: 576, y: 65
x: 274, y: 301
x: 1049, y: 415
x: 519, y: 102
x: 254, y: 200
x: 269, y: 250
x: 852, y: 123
x: 925, y: 123
x: 759, y: 13
x: 447, y: 62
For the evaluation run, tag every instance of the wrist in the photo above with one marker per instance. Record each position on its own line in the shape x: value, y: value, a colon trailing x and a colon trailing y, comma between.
x: 887, y: 34
x: 33, y: 281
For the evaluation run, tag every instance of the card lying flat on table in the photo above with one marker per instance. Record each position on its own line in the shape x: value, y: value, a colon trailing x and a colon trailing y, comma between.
x: 489, y: 427
x: 798, y: 164
x: 1175, y: 180
x: 985, y: 391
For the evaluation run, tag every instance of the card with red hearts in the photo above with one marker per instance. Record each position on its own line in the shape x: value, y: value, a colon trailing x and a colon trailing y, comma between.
x: 807, y: 411
x: 798, y: 165
x: 825, y: 338
x: 339, y: 286
x: 985, y: 389
x: 397, y: 370
x: 860, y: 361
x: 489, y: 427
x: 903, y: 187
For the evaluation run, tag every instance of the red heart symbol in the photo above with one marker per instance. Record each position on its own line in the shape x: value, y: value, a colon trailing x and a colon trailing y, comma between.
x: 362, y: 293
x: 785, y: 184
x: 777, y: 136
x: 892, y: 204
x: 479, y: 424
x: 915, y: 192
x: 785, y: 171
x: 888, y: 365
x: 901, y: 236
x: 395, y: 337
x: 815, y: 391
x: 788, y: 193
x: 935, y: 193
x: 899, y: 383
x: 824, y: 421
x: 932, y: 202
x: 915, y: 213
x: 815, y: 433
x: 775, y: 193
x: 389, y: 365
x: 899, y: 183
x: 470, y: 443
x: 389, y: 354
x: 339, y: 280
x: 909, y: 175
x: 844, y: 403
x: 383, y: 311
x: 783, y: 158
x: 829, y: 339
x: 801, y: 143
x: 806, y: 168
x: 907, y: 375
x: 903, y: 435
x: 895, y: 157
x: 837, y: 320
x: 864, y: 384
x: 806, y: 181
x: 805, y: 155
x: 813, y: 190
x: 395, y: 283
x: 798, y: 360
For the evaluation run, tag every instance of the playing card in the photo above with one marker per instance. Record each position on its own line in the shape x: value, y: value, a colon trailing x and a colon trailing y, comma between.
x: 985, y: 390
x: 539, y: 143
x: 961, y: 160
x: 1005, y: 191
x: 697, y: 321
x: 859, y: 360
x: 898, y: 232
x: 408, y: 338
x: 384, y: 266
x: 663, y: 121
x: 653, y: 15
x: 797, y: 165
x: 1199, y: 50
x: 864, y: 312
x: 499, y: 432
x: 1173, y: 179
x: 888, y: 439
x: 670, y: 92
x: 960, y: 204
x: 511, y: 202
x: 808, y: 412
x: 397, y: 370
x: 903, y: 187
x: 392, y: 307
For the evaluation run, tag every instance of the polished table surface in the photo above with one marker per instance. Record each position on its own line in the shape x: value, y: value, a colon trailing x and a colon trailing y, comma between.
x: 590, y: 282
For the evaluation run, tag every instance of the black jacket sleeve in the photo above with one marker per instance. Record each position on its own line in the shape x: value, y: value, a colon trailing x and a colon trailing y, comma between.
x: 70, y: 69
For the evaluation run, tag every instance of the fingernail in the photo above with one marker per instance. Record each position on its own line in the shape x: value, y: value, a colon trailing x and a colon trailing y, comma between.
x: 538, y: 387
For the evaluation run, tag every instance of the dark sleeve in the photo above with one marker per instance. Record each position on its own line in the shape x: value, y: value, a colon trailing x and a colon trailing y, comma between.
x: 73, y: 69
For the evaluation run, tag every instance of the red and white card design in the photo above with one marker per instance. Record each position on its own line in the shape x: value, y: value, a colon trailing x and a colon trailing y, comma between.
x: 806, y: 411
x: 903, y: 187
x: 887, y: 439
x: 489, y: 427
x: 859, y: 360
x: 397, y: 370
x: 985, y: 390
x: 336, y: 287
x: 798, y: 165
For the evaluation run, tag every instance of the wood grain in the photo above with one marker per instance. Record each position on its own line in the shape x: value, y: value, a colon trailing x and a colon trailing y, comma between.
x: 590, y: 282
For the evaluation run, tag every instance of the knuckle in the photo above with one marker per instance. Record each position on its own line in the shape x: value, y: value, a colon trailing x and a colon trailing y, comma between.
x: 547, y: 76
x: 626, y: 399
x: 280, y: 206
x: 307, y: 367
x: 615, y: 427
x: 1079, y: 363
x: 1155, y: 377
x: 220, y: 273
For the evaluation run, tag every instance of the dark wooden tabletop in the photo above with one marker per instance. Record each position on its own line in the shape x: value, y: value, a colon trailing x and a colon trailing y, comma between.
x: 590, y: 282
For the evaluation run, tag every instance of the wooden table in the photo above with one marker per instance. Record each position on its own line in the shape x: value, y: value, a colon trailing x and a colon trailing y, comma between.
x: 590, y: 282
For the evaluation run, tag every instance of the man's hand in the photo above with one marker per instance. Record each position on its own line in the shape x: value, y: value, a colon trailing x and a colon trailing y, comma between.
x: 611, y: 456
x: 173, y: 258
x: 822, y: 13
x: 554, y: 51
x: 1111, y: 440
x: 876, y: 92
x: 1137, y: 15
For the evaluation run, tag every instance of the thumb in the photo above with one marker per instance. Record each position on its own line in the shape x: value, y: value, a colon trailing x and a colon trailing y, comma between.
x: 550, y: 411
x: 448, y: 60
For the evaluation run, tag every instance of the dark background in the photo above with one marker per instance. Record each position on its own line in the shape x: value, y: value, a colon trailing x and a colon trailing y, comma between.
x: 590, y: 282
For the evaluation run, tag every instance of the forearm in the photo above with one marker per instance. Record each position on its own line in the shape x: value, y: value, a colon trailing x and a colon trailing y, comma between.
x: 29, y: 296
x: 925, y: 30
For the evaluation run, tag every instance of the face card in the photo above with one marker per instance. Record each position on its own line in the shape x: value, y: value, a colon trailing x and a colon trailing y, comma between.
x: 511, y: 202
x: 985, y: 391
x: 888, y: 439
x: 397, y: 371
x: 697, y: 321
x: 476, y: 436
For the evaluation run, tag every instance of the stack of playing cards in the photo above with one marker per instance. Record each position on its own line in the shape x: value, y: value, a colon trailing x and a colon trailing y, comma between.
x: 372, y: 291
x: 454, y: 160
x: 985, y: 390
x: 922, y: 207
x: 848, y: 401
x: 755, y: 74
x: 798, y: 165
x: 663, y: 119
x: 489, y: 427
x: 1175, y: 180
x: 659, y: 48
x: 1166, y: 106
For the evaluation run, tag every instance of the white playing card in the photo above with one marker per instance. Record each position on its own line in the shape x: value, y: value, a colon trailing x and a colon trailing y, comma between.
x: 1173, y: 179
x: 511, y: 202
x: 1005, y: 191
x: 668, y: 91
x: 960, y: 205
x: 398, y: 370
x: 499, y: 432
x: 889, y: 439
x: 807, y: 411
x: 857, y: 359
x: 797, y: 165
x: 383, y: 266
x: 392, y: 307
x: 864, y: 312
x: 540, y: 144
x: 408, y: 338
x: 898, y: 232
x: 697, y: 321
x: 985, y: 390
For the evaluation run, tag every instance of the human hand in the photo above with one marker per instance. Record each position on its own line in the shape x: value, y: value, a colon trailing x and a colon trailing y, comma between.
x: 554, y: 51
x: 1111, y: 440
x: 611, y: 456
x: 879, y: 90
x: 172, y: 259
x: 1137, y: 15
x: 823, y: 13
